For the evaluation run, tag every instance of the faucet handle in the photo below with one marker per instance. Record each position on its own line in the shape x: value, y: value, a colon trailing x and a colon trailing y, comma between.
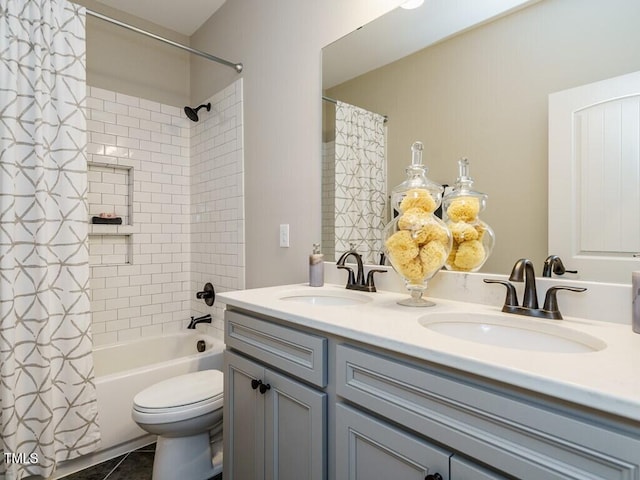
x: 551, y: 302
x: 351, y: 280
x: 208, y: 294
x: 511, y: 300
x: 370, y: 284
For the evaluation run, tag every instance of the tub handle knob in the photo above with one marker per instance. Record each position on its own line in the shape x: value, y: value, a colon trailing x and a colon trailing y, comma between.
x: 255, y: 383
x: 208, y: 294
x: 264, y: 387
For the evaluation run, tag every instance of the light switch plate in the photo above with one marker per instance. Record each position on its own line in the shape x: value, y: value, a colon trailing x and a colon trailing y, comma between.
x: 284, y: 235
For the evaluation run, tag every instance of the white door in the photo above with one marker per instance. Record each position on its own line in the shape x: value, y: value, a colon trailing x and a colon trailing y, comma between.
x: 594, y: 178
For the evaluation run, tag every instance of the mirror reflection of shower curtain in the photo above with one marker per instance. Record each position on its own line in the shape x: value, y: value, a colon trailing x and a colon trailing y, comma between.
x: 360, y: 181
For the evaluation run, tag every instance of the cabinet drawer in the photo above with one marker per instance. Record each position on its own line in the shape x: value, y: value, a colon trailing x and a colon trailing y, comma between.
x: 302, y: 355
x: 367, y: 448
x: 514, y: 433
x: 463, y: 469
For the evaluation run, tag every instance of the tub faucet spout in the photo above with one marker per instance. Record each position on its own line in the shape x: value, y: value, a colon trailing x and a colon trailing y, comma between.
x: 203, y: 319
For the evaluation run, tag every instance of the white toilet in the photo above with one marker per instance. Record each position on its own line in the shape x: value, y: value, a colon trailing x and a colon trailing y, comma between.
x: 186, y: 414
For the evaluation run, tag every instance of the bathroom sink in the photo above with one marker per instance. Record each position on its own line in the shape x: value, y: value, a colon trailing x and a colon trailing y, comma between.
x: 326, y: 298
x: 511, y: 331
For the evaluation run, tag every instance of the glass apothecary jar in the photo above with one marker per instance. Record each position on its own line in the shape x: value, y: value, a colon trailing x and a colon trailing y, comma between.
x: 416, y: 242
x: 473, y: 239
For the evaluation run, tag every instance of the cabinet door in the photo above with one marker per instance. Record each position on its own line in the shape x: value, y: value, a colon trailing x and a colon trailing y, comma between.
x: 295, y: 430
x: 243, y: 420
x: 369, y: 449
x: 463, y: 469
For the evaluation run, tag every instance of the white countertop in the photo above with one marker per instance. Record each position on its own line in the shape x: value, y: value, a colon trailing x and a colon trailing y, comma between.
x: 607, y: 380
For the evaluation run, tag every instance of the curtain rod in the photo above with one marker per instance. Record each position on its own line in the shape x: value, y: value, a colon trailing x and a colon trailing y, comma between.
x: 237, y: 66
x: 333, y: 100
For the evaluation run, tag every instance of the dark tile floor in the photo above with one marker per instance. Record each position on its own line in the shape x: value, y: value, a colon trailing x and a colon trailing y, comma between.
x: 136, y: 465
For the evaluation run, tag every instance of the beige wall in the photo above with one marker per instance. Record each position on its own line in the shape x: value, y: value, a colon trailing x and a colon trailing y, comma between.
x: 127, y: 62
x: 279, y: 44
x: 484, y: 95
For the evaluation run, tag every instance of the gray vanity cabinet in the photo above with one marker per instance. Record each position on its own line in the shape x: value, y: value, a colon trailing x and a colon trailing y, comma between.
x: 275, y: 426
x: 302, y: 404
x: 368, y: 449
x: 463, y: 469
x: 243, y: 419
x: 524, y: 435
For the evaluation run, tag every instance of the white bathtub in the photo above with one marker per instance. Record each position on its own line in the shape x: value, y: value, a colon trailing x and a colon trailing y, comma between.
x: 124, y: 369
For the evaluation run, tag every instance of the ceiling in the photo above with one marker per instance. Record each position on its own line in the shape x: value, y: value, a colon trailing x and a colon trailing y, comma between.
x: 184, y: 16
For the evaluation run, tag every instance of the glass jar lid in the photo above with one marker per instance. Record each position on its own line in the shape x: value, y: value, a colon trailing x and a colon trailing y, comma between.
x: 463, y: 197
x: 416, y: 185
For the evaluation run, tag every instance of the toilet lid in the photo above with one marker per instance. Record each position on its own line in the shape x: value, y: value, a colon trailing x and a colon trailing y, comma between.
x: 183, y: 390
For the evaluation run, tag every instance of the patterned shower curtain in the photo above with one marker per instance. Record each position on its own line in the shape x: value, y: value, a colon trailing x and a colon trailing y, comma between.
x: 360, y: 189
x: 48, y: 407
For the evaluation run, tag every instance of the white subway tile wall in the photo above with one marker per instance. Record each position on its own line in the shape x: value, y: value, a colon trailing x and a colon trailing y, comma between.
x: 109, y: 249
x: 217, y: 199
x: 143, y: 274
x: 110, y: 190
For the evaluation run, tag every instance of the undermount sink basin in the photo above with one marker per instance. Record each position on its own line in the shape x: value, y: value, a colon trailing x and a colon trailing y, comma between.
x: 511, y: 331
x: 326, y: 298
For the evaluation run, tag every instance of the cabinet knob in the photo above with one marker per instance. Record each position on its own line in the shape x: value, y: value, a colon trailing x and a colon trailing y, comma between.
x: 255, y: 383
x: 264, y: 387
x: 435, y: 476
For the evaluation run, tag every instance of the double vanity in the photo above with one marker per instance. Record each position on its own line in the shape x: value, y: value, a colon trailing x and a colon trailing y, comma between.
x: 329, y: 383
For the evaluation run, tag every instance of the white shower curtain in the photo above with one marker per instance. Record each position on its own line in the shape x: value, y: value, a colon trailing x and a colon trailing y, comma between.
x: 360, y: 190
x: 48, y: 407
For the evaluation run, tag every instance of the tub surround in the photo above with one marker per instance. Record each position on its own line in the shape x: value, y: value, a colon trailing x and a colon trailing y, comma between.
x: 178, y: 187
x: 138, y: 153
x: 604, y: 380
x: 217, y: 201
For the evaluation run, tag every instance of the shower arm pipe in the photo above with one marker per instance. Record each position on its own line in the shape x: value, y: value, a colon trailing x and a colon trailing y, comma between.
x: 236, y: 66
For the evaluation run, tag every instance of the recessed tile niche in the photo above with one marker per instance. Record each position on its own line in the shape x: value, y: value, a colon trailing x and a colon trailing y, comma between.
x: 110, y: 190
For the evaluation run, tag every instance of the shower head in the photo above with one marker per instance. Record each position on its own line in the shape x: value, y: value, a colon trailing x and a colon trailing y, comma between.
x: 193, y: 113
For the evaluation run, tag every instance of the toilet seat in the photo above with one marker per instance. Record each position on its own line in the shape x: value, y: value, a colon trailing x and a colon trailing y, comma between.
x: 180, y: 398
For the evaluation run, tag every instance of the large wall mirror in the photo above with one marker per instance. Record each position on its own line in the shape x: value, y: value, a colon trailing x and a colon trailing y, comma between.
x: 480, y: 91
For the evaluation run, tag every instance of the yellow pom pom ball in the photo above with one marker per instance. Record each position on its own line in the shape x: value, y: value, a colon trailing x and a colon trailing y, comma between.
x: 432, y: 232
x: 464, y: 209
x: 469, y: 255
x: 412, y: 270
x: 401, y: 247
x: 418, y: 198
x: 432, y: 256
x: 463, y: 232
x: 413, y: 219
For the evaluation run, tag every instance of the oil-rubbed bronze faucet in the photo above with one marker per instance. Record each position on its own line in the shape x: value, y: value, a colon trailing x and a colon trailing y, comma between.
x: 357, y: 281
x: 553, y: 264
x: 203, y: 319
x: 523, y: 271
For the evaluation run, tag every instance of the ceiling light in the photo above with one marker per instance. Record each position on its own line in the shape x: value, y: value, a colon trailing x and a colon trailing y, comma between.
x: 409, y: 4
